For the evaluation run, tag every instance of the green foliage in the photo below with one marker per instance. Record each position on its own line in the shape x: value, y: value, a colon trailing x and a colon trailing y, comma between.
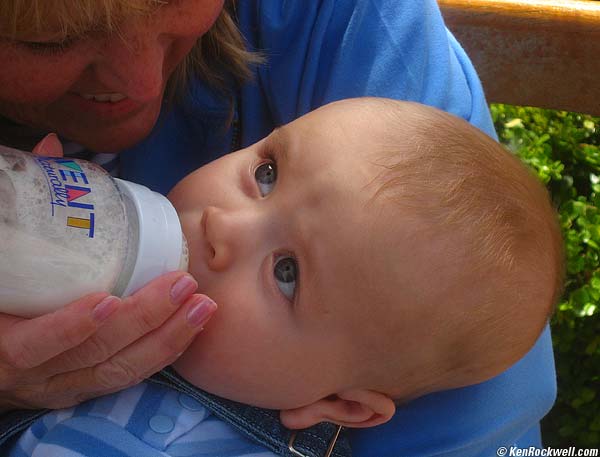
x: 564, y: 150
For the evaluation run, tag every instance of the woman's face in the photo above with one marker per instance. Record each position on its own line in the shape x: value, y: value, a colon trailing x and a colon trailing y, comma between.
x: 104, y: 91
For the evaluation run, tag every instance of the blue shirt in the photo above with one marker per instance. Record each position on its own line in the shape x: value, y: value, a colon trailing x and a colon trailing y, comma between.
x: 317, y: 51
x: 323, y: 50
x: 146, y: 420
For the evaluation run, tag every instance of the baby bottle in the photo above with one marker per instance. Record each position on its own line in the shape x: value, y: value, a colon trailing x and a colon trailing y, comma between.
x: 67, y: 228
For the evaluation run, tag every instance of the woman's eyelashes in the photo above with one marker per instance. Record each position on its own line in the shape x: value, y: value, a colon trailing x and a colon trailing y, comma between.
x: 286, y: 274
x: 49, y: 47
x: 266, y: 176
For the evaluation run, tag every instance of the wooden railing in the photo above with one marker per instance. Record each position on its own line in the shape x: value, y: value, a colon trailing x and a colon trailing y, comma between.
x: 543, y: 53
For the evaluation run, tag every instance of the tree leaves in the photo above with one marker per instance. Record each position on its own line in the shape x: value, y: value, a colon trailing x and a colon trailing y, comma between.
x: 563, y: 149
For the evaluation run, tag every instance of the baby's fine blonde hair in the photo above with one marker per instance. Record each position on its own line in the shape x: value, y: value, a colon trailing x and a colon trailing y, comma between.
x: 218, y: 56
x: 495, y: 225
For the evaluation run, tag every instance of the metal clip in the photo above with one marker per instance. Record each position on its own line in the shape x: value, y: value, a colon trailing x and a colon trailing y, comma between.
x: 329, y: 449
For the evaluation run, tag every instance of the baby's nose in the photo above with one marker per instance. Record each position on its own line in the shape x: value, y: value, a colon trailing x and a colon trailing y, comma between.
x: 223, y: 235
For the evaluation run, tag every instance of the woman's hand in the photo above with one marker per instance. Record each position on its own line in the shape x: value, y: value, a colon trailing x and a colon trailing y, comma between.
x: 50, y: 146
x: 98, y: 344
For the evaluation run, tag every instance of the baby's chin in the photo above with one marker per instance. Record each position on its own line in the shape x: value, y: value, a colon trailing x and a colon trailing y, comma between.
x: 189, y: 369
x: 185, y: 367
x: 234, y: 389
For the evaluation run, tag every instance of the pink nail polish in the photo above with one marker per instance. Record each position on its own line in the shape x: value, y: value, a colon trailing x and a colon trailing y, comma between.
x: 200, y: 311
x: 44, y: 142
x: 105, y: 308
x: 182, y: 289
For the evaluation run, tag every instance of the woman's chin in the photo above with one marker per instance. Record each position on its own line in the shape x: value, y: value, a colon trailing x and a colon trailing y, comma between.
x: 115, y: 136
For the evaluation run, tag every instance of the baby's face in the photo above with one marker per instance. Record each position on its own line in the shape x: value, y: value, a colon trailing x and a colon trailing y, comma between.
x: 279, y: 238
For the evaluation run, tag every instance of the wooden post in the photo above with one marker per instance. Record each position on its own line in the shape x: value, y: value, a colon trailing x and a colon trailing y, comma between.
x: 543, y: 53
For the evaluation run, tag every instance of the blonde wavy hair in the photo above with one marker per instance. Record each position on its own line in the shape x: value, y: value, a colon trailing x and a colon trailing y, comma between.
x: 219, y: 57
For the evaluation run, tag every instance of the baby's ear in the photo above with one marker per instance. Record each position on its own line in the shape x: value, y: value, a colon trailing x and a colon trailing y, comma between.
x: 352, y: 408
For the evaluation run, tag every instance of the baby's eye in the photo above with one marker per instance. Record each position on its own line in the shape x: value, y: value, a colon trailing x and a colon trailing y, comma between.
x: 286, y: 272
x: 266, y: 175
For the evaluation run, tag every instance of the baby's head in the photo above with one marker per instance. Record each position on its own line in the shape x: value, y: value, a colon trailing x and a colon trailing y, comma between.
x: 370, y: 252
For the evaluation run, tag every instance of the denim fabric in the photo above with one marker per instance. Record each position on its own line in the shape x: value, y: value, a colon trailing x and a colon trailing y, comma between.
x: 14, y: 422
x: 260, y: 425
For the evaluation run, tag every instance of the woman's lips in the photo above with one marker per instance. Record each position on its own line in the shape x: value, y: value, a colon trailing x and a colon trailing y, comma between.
x: 108, y: 97
x: 105, y: 105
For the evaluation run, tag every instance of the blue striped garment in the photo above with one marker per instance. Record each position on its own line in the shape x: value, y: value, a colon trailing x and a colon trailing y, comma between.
x: 146, y: 420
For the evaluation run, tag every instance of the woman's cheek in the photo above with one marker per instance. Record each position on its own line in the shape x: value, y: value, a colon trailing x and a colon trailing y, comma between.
x: 31, y: 79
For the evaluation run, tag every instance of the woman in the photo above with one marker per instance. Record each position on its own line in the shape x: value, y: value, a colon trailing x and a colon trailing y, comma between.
x: 171, y: 86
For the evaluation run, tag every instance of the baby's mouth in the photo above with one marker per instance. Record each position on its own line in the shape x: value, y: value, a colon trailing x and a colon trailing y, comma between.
x: 113, y: 97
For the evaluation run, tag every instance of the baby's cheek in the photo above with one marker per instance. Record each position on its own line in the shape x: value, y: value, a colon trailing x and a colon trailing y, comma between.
x: 199, y: 365
x: 213, y: 366
x: 214, y: 351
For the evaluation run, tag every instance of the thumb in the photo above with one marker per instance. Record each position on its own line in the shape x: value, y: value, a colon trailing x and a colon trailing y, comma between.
x: 50, y: 146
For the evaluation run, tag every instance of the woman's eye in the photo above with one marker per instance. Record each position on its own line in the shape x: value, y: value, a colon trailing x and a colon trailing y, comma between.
x: 266, y: 175
x: 48, y: 47
x: 286, y: 272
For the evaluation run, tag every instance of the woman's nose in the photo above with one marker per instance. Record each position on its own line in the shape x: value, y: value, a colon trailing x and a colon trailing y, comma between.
x: 139, y: 58
x: 134, y: 65
x: 228, y: 236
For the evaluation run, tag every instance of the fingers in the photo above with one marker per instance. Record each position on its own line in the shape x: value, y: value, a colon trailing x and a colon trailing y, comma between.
x: 28, y: 343
x: 145, y: 311
x: 98, y: 344
x: 50, y: 146
x: 141, y: 359
x: 157, y: 349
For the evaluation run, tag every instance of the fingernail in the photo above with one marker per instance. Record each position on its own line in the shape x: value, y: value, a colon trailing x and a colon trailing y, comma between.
x: 45, y: 140
x: 200, y: 311
x: 105, y: 308
x: 182, y: 289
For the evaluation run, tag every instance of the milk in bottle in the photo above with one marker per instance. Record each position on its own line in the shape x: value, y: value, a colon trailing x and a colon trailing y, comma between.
x: 67, y: 228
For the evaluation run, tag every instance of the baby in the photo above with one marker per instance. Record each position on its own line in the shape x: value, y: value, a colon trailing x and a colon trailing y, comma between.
x: 366, y: 254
